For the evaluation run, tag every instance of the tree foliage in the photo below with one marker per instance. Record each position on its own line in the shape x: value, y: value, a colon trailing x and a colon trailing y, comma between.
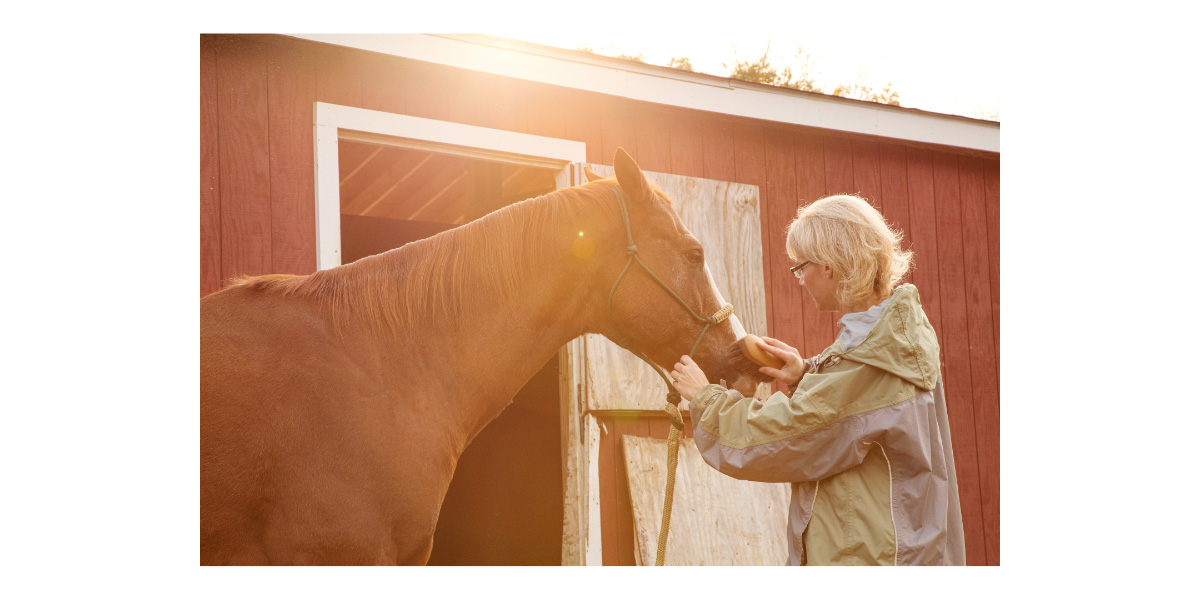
x: 681, y: 62
x: 862, y: 89
x: 987, y: 114
x: 798, y: 75
x: 762, y: 71
x: 611, y: 52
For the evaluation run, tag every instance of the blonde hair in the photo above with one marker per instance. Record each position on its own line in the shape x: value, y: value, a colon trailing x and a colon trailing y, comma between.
x: 846, y: 233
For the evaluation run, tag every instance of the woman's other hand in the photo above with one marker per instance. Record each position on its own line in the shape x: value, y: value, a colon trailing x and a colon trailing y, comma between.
x: 688, y: 377
x: 794, y: 367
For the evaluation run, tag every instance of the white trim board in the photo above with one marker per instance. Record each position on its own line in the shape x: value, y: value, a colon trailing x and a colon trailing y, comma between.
x: 551, y: 66
x: 332, y: 122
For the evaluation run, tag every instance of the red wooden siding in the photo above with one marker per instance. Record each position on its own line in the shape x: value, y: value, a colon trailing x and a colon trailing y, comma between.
x: 291, y: 87
x: 210, y: 182
x: 245, y: 197
x: 256, y: 208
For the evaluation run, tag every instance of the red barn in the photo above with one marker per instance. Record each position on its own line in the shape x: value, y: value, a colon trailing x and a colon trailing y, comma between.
x: 318, y: 150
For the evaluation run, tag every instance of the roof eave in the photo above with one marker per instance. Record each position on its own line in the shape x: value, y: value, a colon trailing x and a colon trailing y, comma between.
x: 674, y: 87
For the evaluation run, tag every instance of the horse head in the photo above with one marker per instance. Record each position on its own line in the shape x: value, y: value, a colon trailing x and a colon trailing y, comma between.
x: 665, y: 306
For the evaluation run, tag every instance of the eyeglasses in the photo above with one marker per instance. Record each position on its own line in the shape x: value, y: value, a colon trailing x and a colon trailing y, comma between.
x: 796, y: 269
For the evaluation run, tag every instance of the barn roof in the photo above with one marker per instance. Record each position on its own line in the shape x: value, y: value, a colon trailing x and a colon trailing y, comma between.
x: 674, y: 87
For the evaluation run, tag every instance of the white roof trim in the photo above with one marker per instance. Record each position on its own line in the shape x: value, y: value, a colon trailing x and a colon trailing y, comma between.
x: 598, y: 74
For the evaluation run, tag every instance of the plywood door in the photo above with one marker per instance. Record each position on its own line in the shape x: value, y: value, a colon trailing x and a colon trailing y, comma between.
x: 724, y: 217
x: 608, y: 392
x: 715, y: 519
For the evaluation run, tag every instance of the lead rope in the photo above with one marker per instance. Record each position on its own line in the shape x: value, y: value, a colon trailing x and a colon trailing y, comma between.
x: 669, y: 499
x: 673, y: 397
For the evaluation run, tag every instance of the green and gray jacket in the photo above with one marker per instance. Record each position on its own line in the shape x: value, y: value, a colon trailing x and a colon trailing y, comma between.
x: 864, y: 440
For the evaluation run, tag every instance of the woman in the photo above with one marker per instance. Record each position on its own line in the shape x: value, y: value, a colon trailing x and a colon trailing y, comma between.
x: 863, y: 437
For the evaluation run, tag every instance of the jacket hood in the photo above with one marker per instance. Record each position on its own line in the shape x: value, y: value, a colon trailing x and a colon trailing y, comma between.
x: 902, y: 341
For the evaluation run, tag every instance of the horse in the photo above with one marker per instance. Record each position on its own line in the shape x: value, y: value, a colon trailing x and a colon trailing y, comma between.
x: 334, y: 406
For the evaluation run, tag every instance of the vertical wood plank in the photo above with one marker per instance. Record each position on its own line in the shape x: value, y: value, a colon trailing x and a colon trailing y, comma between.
x: 839, y: 179
x: 547, y: 116
x: 893, y: 200
x: 584, y: 124
x: 811, y: 186
x: 339, y: 76
x: 785, y: 320
x: 839, y: 166
x: 687, y: 144
x: 594, y: 552
x: 210, y: 173
x: 625, y: 426
x: 991, y: 191
x: 865, y: 156
x: 617, y: 130
x: 653, y: 139
x: 609, y: 496
x: 427, y: 91
x: 507, y: 104
x: 573, y: 450
x: 462, y: 96
x: 384, y: 83
x: 291, y: 91
x: 750, y: 165
x: 719, y: 150
x: 924, y: 235
x: 244, y: 157
x: 658, y: 427
x: 985, y: 387
x: 750, y: 156
x: 956, y: 350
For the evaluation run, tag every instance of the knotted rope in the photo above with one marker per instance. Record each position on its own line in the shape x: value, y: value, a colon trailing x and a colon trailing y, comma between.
x: 672, y: 461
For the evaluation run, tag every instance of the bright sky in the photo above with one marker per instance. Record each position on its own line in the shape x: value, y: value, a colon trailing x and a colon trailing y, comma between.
x: 939, y: 57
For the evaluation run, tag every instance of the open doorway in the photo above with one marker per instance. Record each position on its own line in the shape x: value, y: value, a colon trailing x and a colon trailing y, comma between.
x: 505, y: 503
x: 391, y: 196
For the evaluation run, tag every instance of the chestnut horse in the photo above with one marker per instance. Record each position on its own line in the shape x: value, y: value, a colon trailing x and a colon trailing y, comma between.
x: 334, y: 406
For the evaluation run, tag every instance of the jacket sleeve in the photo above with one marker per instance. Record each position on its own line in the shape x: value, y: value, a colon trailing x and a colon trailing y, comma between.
x: 824, y: 428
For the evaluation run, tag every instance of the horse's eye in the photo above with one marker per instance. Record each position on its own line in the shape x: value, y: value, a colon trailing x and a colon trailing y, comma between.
x: 695, y: 256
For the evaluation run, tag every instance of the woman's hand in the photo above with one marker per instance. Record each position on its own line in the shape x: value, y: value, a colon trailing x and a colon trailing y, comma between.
x: 688, y: 377
x: 794, y: 367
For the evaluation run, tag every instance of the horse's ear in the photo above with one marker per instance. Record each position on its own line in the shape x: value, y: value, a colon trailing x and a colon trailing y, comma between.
x: 629, y: 175
x: 591, y: 175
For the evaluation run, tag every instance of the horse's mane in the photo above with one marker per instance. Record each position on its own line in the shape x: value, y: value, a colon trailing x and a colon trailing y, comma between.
x: 427, y: 280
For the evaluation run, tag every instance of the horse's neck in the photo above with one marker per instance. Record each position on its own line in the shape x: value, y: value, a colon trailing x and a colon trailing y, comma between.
x: 478, y: 359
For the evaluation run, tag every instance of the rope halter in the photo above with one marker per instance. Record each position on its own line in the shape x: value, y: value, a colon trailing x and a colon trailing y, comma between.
x: 631, y: 250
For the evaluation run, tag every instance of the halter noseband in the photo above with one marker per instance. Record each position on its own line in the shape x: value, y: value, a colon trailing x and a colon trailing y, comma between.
x: 632, y: 251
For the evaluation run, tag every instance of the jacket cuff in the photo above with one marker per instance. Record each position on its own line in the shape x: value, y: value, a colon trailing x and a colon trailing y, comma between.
x: 706, y: 394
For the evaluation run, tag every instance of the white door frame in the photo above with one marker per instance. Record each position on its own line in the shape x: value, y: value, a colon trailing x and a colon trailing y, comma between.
x: 333, y: 122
